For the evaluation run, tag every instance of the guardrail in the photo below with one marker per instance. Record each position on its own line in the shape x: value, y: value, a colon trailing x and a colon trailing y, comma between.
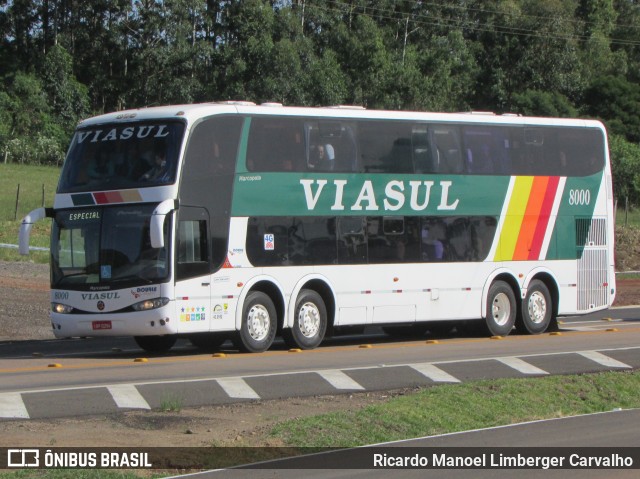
x: 31, y: 248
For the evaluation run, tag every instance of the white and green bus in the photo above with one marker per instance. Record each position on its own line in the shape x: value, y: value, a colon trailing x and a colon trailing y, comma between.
x: 232, y: 220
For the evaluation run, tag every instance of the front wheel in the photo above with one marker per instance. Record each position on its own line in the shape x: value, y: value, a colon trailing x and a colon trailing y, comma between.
x: 501, y: 309
x: 156, y: 344
x: 310, y: 323
x: 259, y: 323
x: 536, y: 309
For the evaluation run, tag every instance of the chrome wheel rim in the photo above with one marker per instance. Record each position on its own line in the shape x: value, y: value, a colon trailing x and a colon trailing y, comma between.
x: 258, y: 322
x: 537, y: 307
x: 501, y: 309
x: 309, y: 320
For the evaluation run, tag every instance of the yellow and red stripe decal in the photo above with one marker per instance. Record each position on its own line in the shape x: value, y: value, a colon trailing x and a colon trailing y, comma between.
x: 527, y: 219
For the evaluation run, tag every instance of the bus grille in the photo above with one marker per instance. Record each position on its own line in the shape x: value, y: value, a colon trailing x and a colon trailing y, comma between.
x: 593, y: 270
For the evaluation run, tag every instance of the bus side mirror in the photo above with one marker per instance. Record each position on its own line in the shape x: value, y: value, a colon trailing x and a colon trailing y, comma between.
x: 25, y: 228
x: 158, y: 217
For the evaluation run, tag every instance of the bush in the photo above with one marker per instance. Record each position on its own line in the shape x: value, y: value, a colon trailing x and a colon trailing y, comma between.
x: 41, y: 150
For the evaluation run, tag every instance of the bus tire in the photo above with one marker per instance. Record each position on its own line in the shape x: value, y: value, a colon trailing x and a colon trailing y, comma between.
x: 501, y: 309
x: 156, y: 344
x: 537, y: 309
x: 310, y: 321
x: 259, y: 323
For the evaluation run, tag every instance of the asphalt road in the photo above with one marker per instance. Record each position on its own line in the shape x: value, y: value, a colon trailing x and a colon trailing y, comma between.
x: 43, y: 379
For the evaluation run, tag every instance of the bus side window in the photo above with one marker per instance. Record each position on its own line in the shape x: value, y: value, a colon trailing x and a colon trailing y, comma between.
x: 352, y: 240
x: 421, y: 150
x: 446, y: 141
x: 276, y: 144
x: 192, y: 251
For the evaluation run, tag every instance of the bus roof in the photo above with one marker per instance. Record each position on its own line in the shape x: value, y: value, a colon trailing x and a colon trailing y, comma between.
x: 193, y: 112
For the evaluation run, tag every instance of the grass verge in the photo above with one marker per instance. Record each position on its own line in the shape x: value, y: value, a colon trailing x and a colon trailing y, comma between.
x: 37, y: 185
x: 451, y: 408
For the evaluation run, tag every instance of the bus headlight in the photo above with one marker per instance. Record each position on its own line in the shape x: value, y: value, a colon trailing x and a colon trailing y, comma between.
x: 61, y: 308
x: 148, y: 304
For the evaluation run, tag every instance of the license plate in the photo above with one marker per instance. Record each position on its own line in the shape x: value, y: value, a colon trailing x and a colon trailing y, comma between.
x: 98, y: 325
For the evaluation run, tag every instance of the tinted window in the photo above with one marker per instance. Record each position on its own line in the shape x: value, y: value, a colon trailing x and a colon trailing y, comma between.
x: 280, y: 241
x: 121, y: 156
x: 386, y: 147
x: 393, y: 239
x: 276, y: 144
x: 457, y: 238
x: 192, y: 250
x: 352, y: 240
x: 275, y: 241
x: 207, y: 176
x: 403, y: 147
x: 331, y: 145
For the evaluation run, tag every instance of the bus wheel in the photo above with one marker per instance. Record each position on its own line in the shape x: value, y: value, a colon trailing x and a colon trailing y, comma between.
x: 536, y: 309
x: 259, y: 323
x: 310, y: 323
x: 501, y: 309
x: 156, y: 344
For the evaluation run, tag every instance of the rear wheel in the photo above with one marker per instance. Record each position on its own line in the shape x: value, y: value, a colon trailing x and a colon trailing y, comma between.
x: 156, y: 344
x: 501, y: 309
x: 310, y: 322
x: 536, y: 309
x: 259, y: 323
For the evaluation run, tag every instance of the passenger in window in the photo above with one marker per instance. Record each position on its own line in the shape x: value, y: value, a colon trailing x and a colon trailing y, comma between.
x: 323, y: 159
x: 159, y: 168
x: 433, y: 247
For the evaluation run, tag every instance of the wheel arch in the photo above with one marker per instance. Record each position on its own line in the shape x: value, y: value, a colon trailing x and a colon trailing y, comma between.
x: 501, y: 275
x: 269, y: 286
x: 320, y: 285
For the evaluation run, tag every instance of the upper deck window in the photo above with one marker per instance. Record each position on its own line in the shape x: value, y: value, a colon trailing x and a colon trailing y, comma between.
x: 133, y: 155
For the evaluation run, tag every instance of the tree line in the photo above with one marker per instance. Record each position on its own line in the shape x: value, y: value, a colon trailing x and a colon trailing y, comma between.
x: 64, y: 60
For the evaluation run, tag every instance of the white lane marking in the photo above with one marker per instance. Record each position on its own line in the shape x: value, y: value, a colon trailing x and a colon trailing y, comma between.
x: 434, y: 373
x: 521, y: 366
x: 128, y: 396
x: 604, y: 360
x: 12, y: 406
x: 339, y: 380
x: 237, y: 388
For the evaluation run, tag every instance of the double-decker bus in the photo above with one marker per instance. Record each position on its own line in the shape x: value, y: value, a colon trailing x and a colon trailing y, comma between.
x: 222, y: 220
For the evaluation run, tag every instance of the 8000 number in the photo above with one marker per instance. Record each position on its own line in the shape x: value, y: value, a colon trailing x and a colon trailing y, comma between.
x: 579, y: 197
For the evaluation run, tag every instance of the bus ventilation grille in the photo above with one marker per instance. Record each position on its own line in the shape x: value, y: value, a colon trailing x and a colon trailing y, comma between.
x: 591, y: 241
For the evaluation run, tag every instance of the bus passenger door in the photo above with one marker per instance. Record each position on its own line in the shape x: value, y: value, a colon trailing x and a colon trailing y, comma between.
x: 193, y: 270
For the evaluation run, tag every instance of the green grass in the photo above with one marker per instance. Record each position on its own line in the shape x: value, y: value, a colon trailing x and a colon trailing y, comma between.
x: 630, y: 218
x: 31, y: 180
x: 451, y: 408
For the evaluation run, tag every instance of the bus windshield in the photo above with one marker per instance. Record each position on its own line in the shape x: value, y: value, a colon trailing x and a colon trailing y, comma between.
x: 107, y: 247
x: 122, y: 156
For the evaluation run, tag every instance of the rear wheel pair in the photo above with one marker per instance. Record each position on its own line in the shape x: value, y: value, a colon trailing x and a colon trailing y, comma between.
x: 502, y: 309
x: 259, y: 322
